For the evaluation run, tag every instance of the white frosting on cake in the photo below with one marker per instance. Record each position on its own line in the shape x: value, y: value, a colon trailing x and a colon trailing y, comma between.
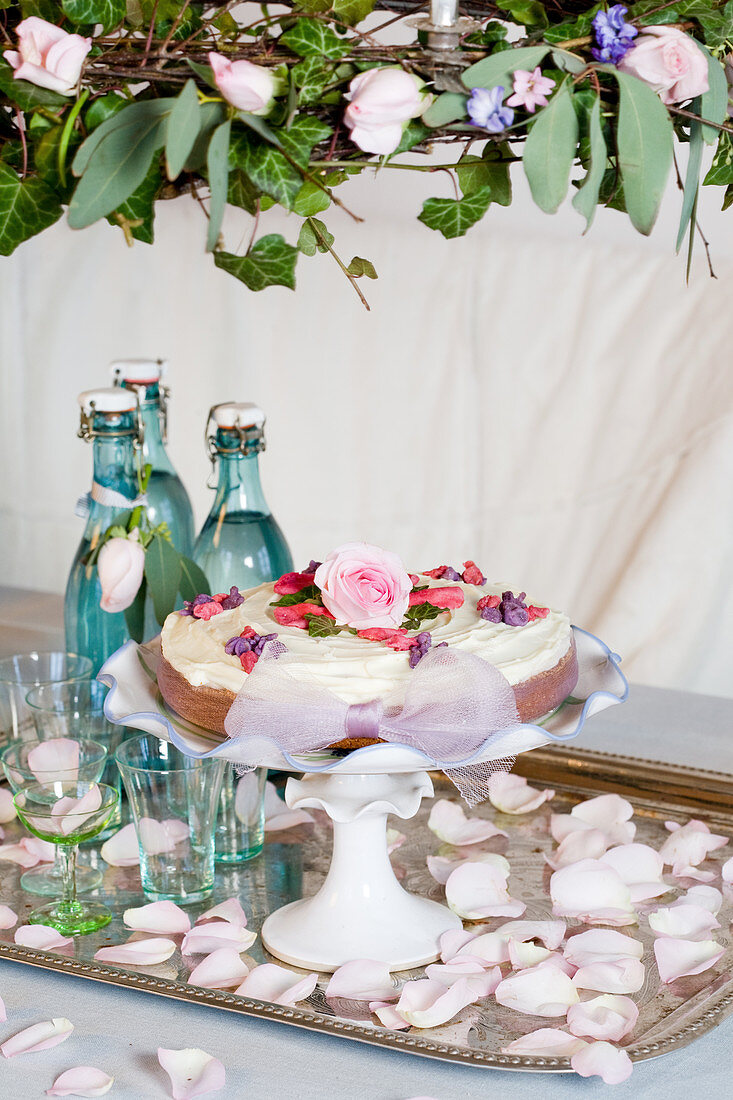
x: 353, y: 668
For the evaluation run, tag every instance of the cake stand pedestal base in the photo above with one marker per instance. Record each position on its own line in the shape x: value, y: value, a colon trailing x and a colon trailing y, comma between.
x: 361, y: 911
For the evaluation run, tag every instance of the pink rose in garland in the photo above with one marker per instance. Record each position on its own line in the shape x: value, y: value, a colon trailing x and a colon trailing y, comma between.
x: 364, y: 586
x: 382, y: 101
x: 48, y: 56
x: 246, y: 86
x: 670, y: 62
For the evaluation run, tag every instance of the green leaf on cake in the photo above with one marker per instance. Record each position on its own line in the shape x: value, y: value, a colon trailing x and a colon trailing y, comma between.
x: 310, y: 594
x: 270, y: 262
x: 321, y: 626
x: 454, y: 217
x: 163, y: 574
x: 418, y: 614
x: 192, y: 581
x: 26, y: 207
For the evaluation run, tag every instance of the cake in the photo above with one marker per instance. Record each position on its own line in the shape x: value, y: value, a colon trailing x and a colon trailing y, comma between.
x: 358, y: 625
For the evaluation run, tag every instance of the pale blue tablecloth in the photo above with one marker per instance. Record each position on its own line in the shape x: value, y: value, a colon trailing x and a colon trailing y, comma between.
x: 119, y: 1030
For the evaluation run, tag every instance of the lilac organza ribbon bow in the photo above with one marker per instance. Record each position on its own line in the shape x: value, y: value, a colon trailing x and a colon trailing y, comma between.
x: 453, y: 704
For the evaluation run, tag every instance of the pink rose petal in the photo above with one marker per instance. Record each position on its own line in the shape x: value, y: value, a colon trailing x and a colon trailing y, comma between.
x: 71, y: 813
x: 387, y: 1015
x: 611, y: 976
x: 689, y: 845
x: 222, y: 969
x: 230, y: 910
x: 602, y: 1060
x: 603, y: 811
x: 460, y: 967
x: 601, y: 945
x: 8, y: 917
x: 582, y: 844
x: 81, y: 1081
x: 18, y: 853
x: 524, y: 955
x: 362, y: 980
x: 7, y: 807
x: 122, y: 850
x: 278, y: 815
x: 685, y: 870
x: 449, y: 822
x: 57, y: 758
x: 41, y: 1036
x: 608, y: 1017
x: 157, y: 916
x: 685, y: 922
x: 641, y: 868
x: 677, y: 958
x: 273, y: 983
x: 706, y: 896
x: 441, y: 868
x: 727, y: 870
x: 43, y: 850
x: 593, y: 892
x: 550, y: 932
x: 478, y: 890
x: 192, y: 1071
x: 138, y: 952
x: 426, y: 1003
x: 204, y: 938
x: 546, y: 1042
x: 453, y: 941
x: 543, y: 990
x: 41, y: 936
x: 3, y: 1011
x: 492, y: 948
x: 157, y: 837
x: 511, y: 794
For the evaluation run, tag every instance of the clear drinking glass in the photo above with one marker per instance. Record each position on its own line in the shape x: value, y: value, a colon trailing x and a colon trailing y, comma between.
x: 76, y: 710
x: 64, y: 760
x: 23, y: 671
x: 65, y: 813
x: 240, y: 825
x: 174, y: 801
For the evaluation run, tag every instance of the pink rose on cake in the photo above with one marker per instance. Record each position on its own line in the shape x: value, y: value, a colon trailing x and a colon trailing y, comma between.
x: 364, y: 586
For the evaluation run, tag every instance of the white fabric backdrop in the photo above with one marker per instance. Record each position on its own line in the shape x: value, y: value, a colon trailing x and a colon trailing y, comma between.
x: 558, y: 409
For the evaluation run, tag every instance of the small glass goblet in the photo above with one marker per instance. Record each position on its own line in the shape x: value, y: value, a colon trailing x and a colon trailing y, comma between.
x: 48, y: 762
x: 23, y: 671
x: 65, y: 813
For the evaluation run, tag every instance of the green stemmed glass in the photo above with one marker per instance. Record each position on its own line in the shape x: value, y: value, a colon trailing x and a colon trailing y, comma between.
x: 26, y: 763
x: 66, y: 813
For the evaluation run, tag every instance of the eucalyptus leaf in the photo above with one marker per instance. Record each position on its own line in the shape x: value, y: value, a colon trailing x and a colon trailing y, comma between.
x: 644, y: 141
x: 205, y: 73
x: 217, y: 165
x: 270, y: 262
x: 130, y: 118
x: 26, y: 207
x: 138, y: 210
x: 135, y: 614
x: 714, y: 102
x: 448, y: 107
x: 497, y: 68
x: 192, y: 581
x: 454, y: 217
x: 586, y: 199
x: 163, y: 574
x: 182, y: 129
x: 549, y: 151
x: 692, y: 178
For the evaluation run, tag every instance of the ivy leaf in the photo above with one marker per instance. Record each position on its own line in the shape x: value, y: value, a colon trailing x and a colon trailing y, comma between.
x: 310, y: 594
x: 163, y: 574
x: 103, y: 108
x: 360, y: 267
x: 497, y: 68
x: 720, y: 172
x: 473, y: 173
x: 270, y: 262
x: 46, y: 157
x: 418, y: 614
x: 140, y: 207
x: 320, y: 626
x: 311, y: 76
x: 313, y: 6
x: 311, y: 199
x: 454, y: 217
x: 528, y: 12
x: 314, y: 237
x: 242, y: 192
x: 644, y: 140
x: 267, y: 168
x: 217, y: 167
x: 550, y: 148
x: 496, y: 157
x: 448, y: 107
x: 311, y: 37
x: 714, y: 102
x: 25, y: 95
x: 26, y: 208
x: 192, y: 580
x: 182, y: 129
x: 412, y: 135
x: 352, y: 11
x: 586, y: 200
x: 135, y: 614
x: 305, y: 133
x: 110, y: 13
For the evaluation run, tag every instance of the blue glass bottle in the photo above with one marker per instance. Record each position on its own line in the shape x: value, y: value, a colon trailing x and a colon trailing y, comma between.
x: 167, y: 499
x: 240, y: 542
x: 110, y: 420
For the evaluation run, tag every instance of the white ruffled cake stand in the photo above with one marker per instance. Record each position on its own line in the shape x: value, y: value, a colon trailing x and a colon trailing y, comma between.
x: 361, y: 910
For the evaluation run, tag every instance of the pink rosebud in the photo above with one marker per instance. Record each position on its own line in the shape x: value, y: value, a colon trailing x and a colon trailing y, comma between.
x: 381, y: 103
x: 120, y: 567
x: 364, y: 586
x: 246, y: 86
x: 668, y: 61
x: 48, y: 56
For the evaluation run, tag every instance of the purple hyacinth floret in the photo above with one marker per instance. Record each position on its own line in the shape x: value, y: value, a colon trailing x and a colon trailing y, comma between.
x: 492, y: 615
x: 255, y: 643
x: 513, y: 609
x: 485, y: 109
x: 450, y: 574
x: 312, y: 566
x: 234, y: 599
x: 188, y: 605
x: 424, y: 642
x: 614, y: 36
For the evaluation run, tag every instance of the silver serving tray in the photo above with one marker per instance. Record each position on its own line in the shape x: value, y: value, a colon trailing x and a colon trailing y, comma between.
x: 294, y: 863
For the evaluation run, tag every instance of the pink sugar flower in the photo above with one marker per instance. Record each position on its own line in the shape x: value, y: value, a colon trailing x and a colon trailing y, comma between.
x: 530, y: 89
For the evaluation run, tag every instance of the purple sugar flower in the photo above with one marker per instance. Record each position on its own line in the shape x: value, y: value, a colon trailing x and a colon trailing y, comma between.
x: 450, y: 574
x: 513, y: 609
x: 491, y: 614
x: 188, y: 605
x: 424, y: 642
x: 485, y: 109
x: 235, y: 647
x: 312, y: 566
x: 234, y: 599
x: 615, y: 37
